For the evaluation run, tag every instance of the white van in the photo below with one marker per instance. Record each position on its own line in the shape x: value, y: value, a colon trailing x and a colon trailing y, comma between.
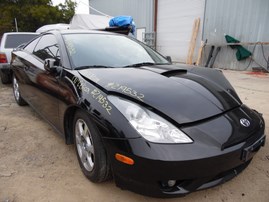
x: 9, y: 41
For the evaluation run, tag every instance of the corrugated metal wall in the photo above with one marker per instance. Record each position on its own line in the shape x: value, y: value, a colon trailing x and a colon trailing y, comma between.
x: 142, y: 11
x: 245, y: 20
x: 174, y: 27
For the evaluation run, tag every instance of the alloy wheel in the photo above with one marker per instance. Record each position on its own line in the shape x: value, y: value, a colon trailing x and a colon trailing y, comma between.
x: 16, y: 89
x: 84, y: 144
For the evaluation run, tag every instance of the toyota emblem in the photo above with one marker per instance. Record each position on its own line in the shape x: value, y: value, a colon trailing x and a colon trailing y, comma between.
x: 245, y: 122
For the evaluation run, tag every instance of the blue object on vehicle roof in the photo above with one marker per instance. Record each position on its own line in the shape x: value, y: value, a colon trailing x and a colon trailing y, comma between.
x: 123, y: 21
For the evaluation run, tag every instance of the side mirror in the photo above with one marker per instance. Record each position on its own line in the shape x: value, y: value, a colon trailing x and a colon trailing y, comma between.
x: 169, y: 59
x: 49, y: 65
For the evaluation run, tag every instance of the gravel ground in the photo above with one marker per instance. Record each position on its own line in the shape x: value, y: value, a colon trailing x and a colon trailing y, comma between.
x: 36, y: 165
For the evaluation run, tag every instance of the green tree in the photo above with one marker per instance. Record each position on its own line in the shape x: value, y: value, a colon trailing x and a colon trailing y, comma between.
x: 32, y: 14
x: 68, y: 10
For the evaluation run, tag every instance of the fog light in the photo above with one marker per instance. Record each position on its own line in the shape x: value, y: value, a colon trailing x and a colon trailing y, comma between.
x: 171, y: 183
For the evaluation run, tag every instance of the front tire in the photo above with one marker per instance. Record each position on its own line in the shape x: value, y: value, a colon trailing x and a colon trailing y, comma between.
x: 90, y: 149
x: 16, y: 92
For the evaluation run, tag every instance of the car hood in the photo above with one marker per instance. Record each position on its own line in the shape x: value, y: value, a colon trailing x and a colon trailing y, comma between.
x: 174, y: 92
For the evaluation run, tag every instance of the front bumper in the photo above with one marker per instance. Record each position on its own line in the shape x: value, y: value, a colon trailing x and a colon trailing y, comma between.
x: 156, y: 164
x: 4, y: 66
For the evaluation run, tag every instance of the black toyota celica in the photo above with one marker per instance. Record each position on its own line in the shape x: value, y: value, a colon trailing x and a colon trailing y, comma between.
x: 158, y: 129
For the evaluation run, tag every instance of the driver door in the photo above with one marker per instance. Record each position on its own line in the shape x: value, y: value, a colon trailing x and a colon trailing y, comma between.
x: 43, y: 85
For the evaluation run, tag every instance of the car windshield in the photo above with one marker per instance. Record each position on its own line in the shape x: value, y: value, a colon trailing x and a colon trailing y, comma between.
x: 107, y: 50
x: 14, y: 40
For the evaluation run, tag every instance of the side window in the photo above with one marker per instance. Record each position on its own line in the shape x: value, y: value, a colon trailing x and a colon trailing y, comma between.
x: 15, y: 40
x: 47, y: 47
x: 31, y: 46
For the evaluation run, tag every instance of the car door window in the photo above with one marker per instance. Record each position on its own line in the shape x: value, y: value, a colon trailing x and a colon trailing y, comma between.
x: 31, y: 46
x: 47, y: 47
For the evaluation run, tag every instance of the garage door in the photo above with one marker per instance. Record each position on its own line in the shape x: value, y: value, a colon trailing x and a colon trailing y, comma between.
x: 174, y: 27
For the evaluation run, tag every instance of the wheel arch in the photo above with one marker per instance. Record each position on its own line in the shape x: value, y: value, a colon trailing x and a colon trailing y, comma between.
x: 68, y: 124
x: 68, y: 121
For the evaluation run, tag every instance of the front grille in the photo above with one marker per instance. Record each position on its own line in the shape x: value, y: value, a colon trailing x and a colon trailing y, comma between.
x: 189, y: 185
x: 251, y: 138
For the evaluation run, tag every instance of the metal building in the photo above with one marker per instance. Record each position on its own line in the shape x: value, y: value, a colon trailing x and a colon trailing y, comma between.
x: 142, y: 12
x: 245, y: 20
x: 174, y: 27
x: 172, y: 21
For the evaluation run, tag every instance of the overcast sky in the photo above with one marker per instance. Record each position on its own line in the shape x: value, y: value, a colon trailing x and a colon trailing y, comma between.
x: 82, y: 5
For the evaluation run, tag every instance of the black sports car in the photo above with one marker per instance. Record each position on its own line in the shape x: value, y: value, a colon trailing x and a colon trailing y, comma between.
x: 159, y: 129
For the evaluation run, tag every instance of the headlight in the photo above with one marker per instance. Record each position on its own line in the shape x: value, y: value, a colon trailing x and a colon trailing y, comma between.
x: 150, y: 125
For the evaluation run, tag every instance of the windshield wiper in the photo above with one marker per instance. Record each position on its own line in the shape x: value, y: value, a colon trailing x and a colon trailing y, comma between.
x: 141, y: 64
x: 92, y: 66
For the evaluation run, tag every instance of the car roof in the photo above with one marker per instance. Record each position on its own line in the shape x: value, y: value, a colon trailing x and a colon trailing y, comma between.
x: 79, y: 31
x: 31, y: 33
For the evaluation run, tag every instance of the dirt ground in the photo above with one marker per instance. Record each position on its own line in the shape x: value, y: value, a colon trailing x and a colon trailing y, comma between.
x: 36, y: 165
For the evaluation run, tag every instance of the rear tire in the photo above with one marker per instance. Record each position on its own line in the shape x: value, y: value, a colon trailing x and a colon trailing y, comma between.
x: 16, y: 92
x: 5, y: 78
x: 90, y: 149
